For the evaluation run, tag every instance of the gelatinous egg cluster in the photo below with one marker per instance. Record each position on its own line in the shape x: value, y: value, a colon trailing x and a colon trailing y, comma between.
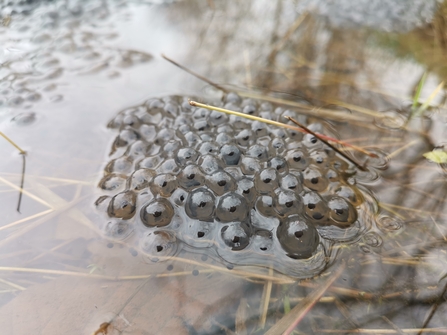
x: 250, y: 192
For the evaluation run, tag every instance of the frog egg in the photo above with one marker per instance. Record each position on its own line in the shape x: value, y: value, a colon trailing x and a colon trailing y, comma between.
x: 157, y: 213
x: 246, y: 188
x: 186, y: 156
x: 191, y: 177
x: 258, y: 152
x: 224, y: 138
x: 266, y: 181
x: 122, y: 205
x: 179, y: 197
x: 315, y: 207
x: 171, y: 109
x: 339, y: 165
x: 262, y: 241
x: 297, y: 159
x: 202, y: 126
x: 198, y: 233
x: 266, y: 106
x: 217, y: 118
x: 164, y: 184
x: 131, y: 121
x: 221, y: 182
x: 279, y: 164
x: 200, y: 205
x: 245, y: 138
x: 278, y: 146
x: 250, y: 166
x: 164, y: 135
x: 148, y: 132
x: 249, y: 109
x: 298, y: 238
x: 168, y: 166
x: 170, y: 148
x: 292, y: 183
x: 210, y: 164
x: 112, y: 182
x: 139, y: 148
x: 122, y: 165
x: 141, y: 179
x: 154, y: 104
x: 287, y: 203
x: 259, y: 128
x: 332, y: 176
x: 341, y: 212
x: 314, y: 180
x: 320, y: 158
x: 264, y: 205
x: 226, y: 128
x: 151, y: 162
x: 192, y: 139
x: 208, y: 148
x: 232, y: 207
x: 349, y: 194
x: 159, y: 244
x: 126, y: 137
x: 200, y: 114
x: 230, y: 154
x: 312, y: 142
x: 236, y: 236
x: 118, y: 229
x: 233, y: 98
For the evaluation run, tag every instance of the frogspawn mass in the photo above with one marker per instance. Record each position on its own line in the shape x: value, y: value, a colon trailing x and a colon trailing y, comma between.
x: 247, y: 192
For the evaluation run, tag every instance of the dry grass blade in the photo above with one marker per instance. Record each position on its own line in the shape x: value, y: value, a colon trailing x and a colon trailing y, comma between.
x: 195, y: 74
x: 23, y: 152
x: 266, y: 295
x: 288, y: 323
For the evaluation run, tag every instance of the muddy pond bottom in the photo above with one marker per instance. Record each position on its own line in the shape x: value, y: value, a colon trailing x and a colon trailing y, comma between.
x: 242, y: 191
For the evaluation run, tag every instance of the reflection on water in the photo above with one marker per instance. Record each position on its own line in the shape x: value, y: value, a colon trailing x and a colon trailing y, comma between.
x: 69, y: 67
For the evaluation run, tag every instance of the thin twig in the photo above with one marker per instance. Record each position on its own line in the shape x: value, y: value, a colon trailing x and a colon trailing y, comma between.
x: 23, y: 152
x: 361, y: 167
x: 195, y: 74
x: 22, y: 182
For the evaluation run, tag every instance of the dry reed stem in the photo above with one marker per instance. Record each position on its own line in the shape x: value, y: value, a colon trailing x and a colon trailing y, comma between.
x: 265, y: 301
x: 23, y: 152
x: 34, y: 216
x: 32, y: 196
x: 289, y: 322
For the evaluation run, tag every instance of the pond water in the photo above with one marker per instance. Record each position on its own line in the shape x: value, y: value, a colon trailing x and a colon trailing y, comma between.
x: 69, y: 72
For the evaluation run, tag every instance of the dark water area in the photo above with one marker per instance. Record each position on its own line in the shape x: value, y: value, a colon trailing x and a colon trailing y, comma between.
x: 318, y: 245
